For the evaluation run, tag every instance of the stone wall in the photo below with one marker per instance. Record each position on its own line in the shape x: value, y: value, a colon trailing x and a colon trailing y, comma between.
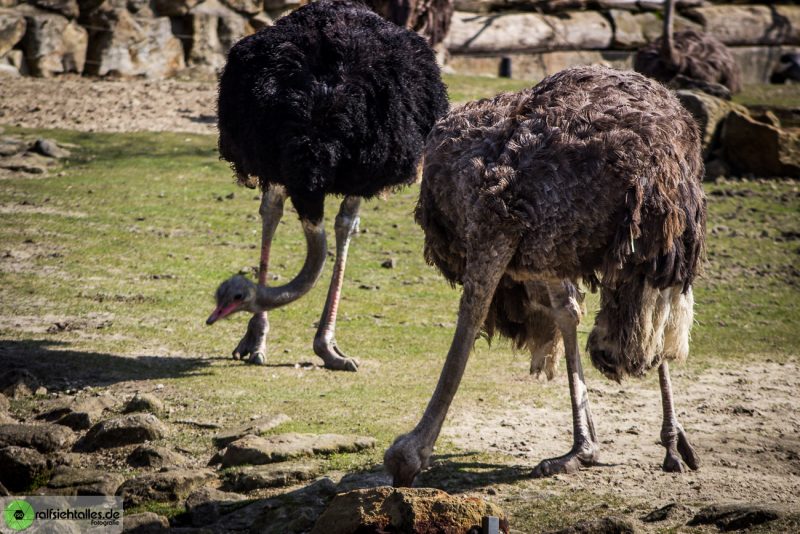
x: 160, y: 38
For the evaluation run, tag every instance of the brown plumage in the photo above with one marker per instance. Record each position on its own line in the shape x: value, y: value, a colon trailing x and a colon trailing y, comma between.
x: 429, y: 18
x: 592, y: 175
x: 689, y: 59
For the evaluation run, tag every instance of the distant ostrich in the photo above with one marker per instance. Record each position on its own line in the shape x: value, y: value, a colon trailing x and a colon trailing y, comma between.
x: 788, y: 69
x: 431, y: 18
x: 592, y: 175
x: 689, y: 59
x: 332, y: 99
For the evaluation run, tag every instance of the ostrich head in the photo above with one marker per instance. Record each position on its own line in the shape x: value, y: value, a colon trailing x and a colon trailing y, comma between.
x: 233, y: 295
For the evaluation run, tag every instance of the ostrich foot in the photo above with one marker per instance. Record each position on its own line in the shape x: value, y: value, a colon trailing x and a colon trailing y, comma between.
x: 254, y: 342
x: 404, y: 460
x: 334, y: 358
x: 678, y: 450
x: 584, y: 455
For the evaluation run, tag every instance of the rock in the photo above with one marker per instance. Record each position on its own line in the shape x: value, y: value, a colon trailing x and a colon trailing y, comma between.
x: 12, y: 28
x: 157, y: 457
x: 173, y: 8
x: 45, y: 438
x: 144, y: 523
x: 652, y: 25
x: 627, y: 29
x: 528, y: 32
x: 391, y: 263
x: 169, y: 486
x: 71, y: 481
x: 709, y: 112
x: 5, y: 404
x: 125, y: 430
x: 728, y: 517
x: 144, y: 402
x: 213, y: 28
x: 257, y: 450
x: 670, y: 511
x: 750, y: 146
x: 537, y: 66
x: 404, y: 510
x: 128, y: 46
x: 758, y: 62
x: 68, y: 8
x: 31, y: 164
x: 21, y: 468
x: 206, y: 505
x: 259, y: 426
x: 270, y: 476
x: 54, y: 45
x: 247, y: 7
x: 605, y: 525
x: 750, y: 25
x: 49, y: 148
x: 76, y: 414
x: 17, y: 383
x: 10, y: 146
x: 7, y: 419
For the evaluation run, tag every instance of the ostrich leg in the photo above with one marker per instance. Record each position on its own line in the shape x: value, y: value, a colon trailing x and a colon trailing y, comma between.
x: 254, y: 341
x: 584, y: 452
x: 410, y: 453
x: 672, y: 435
x: 325, y: 340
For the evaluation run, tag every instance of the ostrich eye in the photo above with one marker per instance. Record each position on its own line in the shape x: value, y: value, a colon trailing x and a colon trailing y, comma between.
x: 237, y: 296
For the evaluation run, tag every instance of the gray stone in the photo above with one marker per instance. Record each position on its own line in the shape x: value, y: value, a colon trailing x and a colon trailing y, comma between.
x: 78, y: 414
x: 72, y: 481
x: 45, y: 438
x: 68, y: 8
x: 12, y: 28
x: 750, y: 146
x: 10, y: 146
x: 145, y: 402
x: 21, y: 468
x: 166, y: 486
x: 157, y: 457
x: 6, y: 419
x: 652, y: 25
x: 206, y: 505
x: 49, y: 148
x: 536, y: 66
x: 627, y: 29
x: 5, y: 404
x: 124, y: 430
x: 18, y: 383
x: 605, y: 525
x: 54, y: 45
x: 759, y: 62
x: 257, y: 427
x: 710, y: 113
x: 257, y: 450
x: 728, y: 517
x: 144, y: 523
x: 247, y: 7
x: 270, y: 476
x: 750, y: 25
x: 213, y: 28
x: 670, y: 511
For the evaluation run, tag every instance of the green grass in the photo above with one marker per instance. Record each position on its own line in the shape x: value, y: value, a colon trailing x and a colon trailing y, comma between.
x: 462, y: 88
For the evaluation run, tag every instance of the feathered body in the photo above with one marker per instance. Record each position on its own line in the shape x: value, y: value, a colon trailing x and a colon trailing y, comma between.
x: 695, y: 56
x: 332, y: 99
x: 598, y: 172
x: 430, y: 18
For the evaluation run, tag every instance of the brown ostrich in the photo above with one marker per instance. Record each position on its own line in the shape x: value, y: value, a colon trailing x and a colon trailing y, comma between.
x: 689, y: 59
x: 430, y: 18
x: 592, y: 175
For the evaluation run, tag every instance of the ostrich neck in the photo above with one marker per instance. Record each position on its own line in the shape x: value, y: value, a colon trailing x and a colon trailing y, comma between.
x: 268, y: 298
x: 667, y: 43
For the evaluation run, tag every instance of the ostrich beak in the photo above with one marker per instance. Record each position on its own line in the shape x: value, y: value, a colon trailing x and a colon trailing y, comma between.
x: 223, y: 311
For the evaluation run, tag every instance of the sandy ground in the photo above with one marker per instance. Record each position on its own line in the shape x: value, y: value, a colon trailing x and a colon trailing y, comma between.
x: 742, y: 422
x: 95, y: 105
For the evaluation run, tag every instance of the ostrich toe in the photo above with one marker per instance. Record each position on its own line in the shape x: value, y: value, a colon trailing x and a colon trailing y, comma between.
x: 687, y: 451
x: 407, y: 456
x: 580, y: 456
x: 254, y: 342
x: 333, y: 357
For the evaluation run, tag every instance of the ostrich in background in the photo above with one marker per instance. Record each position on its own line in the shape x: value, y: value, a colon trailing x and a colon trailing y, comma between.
x: 332, y: 99
x: 689, y: 59
x: 592, y: 175
x: 430, y: 18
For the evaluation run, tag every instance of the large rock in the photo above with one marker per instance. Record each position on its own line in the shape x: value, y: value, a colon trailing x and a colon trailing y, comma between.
x: 128, y: 46
x: 144, y: 523
x: 68, y: 8
x: 21, y: 468
x: 257, y: 450
x: 54, y: 45
x: 17, y: 383
x: 67, y: 480
x: 212, y: 29
x: 257, y: 427
x: 537, y: 66
x: 759, y: 62
x: 604, y: 525
x: 78, y: 414
x: 247, y: 7
x: 763, y: 149
x: 206, y: 505
x: 173, y: 8
x: 145, y: 402
x: 710, y: 113
x: 124, y: 430
x: 157, y: 457
x: 627, y: 29
x: 270, y: 476
x: 5, y: 404
x: 165, y: 486
x: 45, y: 438
x: 750, y: 25
x: 12, y: 28
x: 528, y: 32
x: 728, y: 517
x: 404, y: 510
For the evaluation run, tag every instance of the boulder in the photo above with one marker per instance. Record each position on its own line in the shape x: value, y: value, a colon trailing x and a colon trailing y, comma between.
x: 68, y: 8
x: 21, y: 468
x: 5, y: 404
x: 145, y: 402
x: 12, y: 28
x: 54, y: 45
x: 173, y: 8
x: 627, y: 29
x: 128, y: 46
x: 212, y: 29
x: 604, y: 525
x: 6, y: 419
x: 270, y: 476
x: 257, y: 450
x: 257, y: 427
x: 763, y: 149
x: 45, y: 438
x: 206, y: 505
x: 166, y: 486
x: 652, y: 25
x: 71, y: 481
x: 758, y: 62
x: 157, y: 457
x: 728, y: 517
x: 77, y: 414
x: 246, y: 7
x: 537, y: 66
x: 124, y: 430
x: 750, y: 24
x: 710, y: 113
x: 472, y: 33
x: 17, y: 383
x: 404, y: 510
x: 144, y: 523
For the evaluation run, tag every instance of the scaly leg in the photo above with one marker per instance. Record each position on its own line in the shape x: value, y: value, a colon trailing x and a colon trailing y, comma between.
x: 672, y: 435
x: 325, y: 340
x: 410, y: 453
x: 254, y: 342
x: 567, y: 313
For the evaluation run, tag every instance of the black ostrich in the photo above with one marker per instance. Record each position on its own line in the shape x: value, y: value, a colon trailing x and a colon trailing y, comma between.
x: 332, y: 99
